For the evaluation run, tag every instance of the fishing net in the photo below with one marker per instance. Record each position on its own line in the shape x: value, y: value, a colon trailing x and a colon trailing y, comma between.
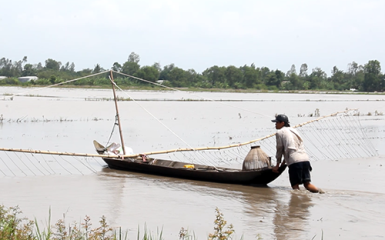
x: 332, y: 137
x: 18, y: 164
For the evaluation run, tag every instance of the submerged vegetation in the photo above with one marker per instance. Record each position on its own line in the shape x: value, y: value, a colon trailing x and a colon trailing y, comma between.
x: 364, y: 78
x: 14, y: 227
x: 315, y: 114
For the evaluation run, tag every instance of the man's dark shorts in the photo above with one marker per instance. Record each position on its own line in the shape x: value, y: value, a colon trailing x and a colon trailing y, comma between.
x: 299, y: 173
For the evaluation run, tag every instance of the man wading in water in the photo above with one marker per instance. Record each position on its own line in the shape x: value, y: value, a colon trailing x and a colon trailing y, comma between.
x: 290, y: 144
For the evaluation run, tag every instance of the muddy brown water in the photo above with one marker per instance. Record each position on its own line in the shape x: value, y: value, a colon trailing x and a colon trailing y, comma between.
x: 69, y: 119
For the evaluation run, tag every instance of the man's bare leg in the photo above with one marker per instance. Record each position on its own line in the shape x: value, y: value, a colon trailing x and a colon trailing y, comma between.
x: 295, y: 187
x: 311, y: 187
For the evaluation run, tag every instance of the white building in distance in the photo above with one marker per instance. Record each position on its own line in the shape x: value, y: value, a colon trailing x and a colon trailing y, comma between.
x: 27, y: 78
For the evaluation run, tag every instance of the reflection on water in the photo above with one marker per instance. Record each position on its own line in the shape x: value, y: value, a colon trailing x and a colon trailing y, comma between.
x: 133, y: 199
x: 351, y: 208
x: 291, y: 219
x: 194, y: 201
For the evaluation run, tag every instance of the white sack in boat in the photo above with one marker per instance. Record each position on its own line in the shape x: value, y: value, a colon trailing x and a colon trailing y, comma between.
x: 116, y: 149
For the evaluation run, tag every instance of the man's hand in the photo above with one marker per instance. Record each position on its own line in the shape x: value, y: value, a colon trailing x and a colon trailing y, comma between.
x: 275, y: 169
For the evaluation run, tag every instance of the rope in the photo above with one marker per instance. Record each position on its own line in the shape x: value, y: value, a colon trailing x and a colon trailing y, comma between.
x: 310, y: 140
x: 48, y: 165
x: 26, y: 165
x: 113, y: 129
x: 2, y: 169
x: 81, y: 162
x: 62, y: 166
x: 61, y: 83
x: 16, y: 166
x: 325, y: 142
x: 205, y: 98
x: 360, y: 138
x: 153, y: 116
x: 350, y: 150
x: 39, y: 168
x: 72, y: 165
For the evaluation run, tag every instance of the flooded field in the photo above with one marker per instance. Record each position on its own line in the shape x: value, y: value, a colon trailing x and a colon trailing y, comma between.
x: 68, y: 120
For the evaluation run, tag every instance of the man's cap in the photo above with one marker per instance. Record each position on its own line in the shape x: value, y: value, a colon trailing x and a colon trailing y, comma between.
x: 281, y: 118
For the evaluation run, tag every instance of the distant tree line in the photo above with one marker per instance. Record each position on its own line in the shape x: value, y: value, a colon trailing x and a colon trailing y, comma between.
x: 368, y: 77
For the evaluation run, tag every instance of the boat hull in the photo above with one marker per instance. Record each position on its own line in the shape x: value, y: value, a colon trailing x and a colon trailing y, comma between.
x: 199, y: 172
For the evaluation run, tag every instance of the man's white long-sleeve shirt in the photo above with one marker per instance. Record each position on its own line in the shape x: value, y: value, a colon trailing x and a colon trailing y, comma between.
x: 290, y: 145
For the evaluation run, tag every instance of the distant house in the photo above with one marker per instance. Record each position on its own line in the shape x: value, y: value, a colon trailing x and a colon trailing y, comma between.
x: 2, y: 77
x: 27, y: 78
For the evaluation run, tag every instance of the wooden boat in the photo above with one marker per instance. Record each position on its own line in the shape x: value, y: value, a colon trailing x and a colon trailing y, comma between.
x: 189, y: 171
x: 144, y: 164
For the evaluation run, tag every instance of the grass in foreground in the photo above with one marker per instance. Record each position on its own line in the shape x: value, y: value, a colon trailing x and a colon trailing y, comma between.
x: 13, y: 227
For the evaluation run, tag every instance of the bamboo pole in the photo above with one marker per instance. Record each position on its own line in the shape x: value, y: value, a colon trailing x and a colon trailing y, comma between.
x: 61, y: 153
x: 117, y: 112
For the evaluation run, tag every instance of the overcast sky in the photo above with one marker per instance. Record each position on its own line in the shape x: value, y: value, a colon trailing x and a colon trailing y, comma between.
x: 195, y: 34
